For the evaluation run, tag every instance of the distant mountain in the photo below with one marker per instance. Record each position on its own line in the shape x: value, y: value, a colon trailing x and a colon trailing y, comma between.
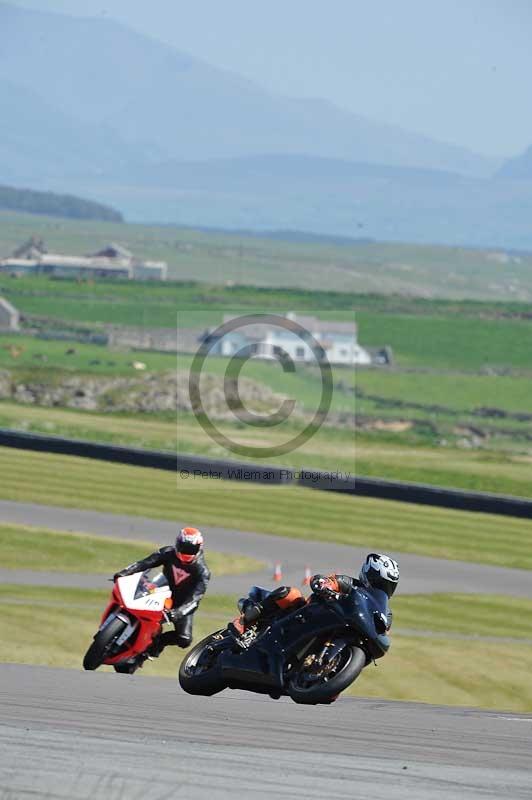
x: 519, y: 168
x: 270, y: 172
x: 91, y: 108
x: 38, y: 141
x: 330, y: 196
x: 55, y: 205
x: 100, y: 76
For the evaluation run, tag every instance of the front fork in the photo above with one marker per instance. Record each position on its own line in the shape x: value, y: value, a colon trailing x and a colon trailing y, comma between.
x: 131, y: 626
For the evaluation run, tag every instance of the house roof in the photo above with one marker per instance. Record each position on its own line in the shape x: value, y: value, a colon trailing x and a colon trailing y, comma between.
x: 31, y: 248
x: 113, y: 250
x: 312, y: 324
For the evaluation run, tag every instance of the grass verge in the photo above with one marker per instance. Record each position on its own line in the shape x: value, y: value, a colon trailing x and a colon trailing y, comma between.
x: 54, y: 627
x: 465, y: 614
x: 385, y: 455
x: 25, y: 547
x: 452, y: 672
x: 279, y: 510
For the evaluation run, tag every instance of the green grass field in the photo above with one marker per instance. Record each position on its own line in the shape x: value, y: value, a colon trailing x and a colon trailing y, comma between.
x: 418, y: 668
x: 214, y: 257
x: 457, y: 393
x: 452, y: 672
x: 464, y: 614
x: 279, y: 510
x: 440, y: 335
x: 26, y: 547
x: 63, y: 621
x: 388, y: 455
x: 445, y: 349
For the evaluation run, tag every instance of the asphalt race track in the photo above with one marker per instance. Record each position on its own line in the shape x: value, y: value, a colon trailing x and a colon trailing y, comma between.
x: 91, y: 736
x: 75, y: 735
x: 419, y: 574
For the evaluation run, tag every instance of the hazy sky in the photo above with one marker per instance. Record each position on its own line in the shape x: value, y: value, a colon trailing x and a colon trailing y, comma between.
x: 456, y: 70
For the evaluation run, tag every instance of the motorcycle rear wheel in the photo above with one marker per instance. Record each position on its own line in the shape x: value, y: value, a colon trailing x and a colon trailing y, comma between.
x: 326, y: 689
x: 102, y: 644
x: 196, y: 674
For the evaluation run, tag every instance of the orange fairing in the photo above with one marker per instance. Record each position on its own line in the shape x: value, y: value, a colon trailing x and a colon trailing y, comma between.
x: 292, y: 597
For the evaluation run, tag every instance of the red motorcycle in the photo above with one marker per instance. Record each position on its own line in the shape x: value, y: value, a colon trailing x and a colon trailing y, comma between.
x: 134, y: 616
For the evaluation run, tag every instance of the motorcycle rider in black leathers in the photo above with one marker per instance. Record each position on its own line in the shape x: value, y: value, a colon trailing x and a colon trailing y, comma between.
x: 187, y: 574
x: 379, y: 575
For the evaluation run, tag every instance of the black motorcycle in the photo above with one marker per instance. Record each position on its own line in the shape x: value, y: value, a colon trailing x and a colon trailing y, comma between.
x: 310, y: 654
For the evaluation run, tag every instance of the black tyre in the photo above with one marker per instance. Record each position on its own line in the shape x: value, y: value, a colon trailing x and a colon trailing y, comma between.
x: 102, y: 644
x: 199, y: 672
x: 323, y: 687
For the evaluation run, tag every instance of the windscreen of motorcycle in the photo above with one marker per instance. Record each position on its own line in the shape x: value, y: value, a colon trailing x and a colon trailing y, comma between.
x: 141, y: 591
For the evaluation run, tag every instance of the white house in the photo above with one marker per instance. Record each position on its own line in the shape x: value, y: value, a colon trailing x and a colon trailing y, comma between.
x: 337, y: 341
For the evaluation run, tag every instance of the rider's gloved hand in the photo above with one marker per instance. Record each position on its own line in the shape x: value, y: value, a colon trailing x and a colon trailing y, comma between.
x: 251, y: 611
x: 118, y: 575
x: 316, y: 583
x: 326, y: 587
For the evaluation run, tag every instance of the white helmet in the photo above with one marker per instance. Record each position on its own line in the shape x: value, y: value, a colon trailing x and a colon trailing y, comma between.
x: 381, y: 572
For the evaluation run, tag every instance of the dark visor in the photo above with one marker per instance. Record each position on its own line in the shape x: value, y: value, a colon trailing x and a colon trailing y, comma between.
x: 188, y: 548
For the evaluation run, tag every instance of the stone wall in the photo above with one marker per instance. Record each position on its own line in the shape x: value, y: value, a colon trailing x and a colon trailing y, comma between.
x: 170, y: 340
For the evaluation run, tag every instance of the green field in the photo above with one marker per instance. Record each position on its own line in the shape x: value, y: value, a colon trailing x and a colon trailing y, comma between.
x: 419, y: 668
x: 41, y: 359
x: 25, y: 547
x: 452, y: 672
x: 434, y: 334
x: 375, y: 388
x: 390, y: 455
x: 453, y: 411
x: 63, y: 621
x: 279, y: 510
x: 429, y: 271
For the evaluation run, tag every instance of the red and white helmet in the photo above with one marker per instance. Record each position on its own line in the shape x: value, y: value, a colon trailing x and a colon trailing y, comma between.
x: 188, y: 544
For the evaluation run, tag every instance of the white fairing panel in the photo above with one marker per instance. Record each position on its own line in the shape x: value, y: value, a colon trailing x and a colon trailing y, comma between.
x: 153, y: 601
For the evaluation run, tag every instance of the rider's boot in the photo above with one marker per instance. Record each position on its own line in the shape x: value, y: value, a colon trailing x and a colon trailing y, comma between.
x: 284, y: 598
x: 155, y: 649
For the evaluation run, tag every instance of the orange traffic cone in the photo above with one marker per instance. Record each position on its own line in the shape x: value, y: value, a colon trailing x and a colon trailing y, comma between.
x: 308, y: 576
x: 277, y: 572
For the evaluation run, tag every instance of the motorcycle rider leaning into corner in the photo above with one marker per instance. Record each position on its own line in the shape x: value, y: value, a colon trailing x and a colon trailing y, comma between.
x: 184, y: 567
x: 379, y: 576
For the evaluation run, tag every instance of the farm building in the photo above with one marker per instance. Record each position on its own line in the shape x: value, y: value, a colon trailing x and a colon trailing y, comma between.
x: 113, y: 261
x: 9, y: 316
x: 335, y: 340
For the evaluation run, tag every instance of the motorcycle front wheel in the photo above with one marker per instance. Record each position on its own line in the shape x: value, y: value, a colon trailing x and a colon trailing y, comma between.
x: 321, y: 683
x: 102, y: 644
x: 199, y: 672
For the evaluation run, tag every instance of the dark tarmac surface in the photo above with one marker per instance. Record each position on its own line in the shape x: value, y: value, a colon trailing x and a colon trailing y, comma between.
x: 68, y: 734
x: 75, y: 735
x: 419, y: 574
